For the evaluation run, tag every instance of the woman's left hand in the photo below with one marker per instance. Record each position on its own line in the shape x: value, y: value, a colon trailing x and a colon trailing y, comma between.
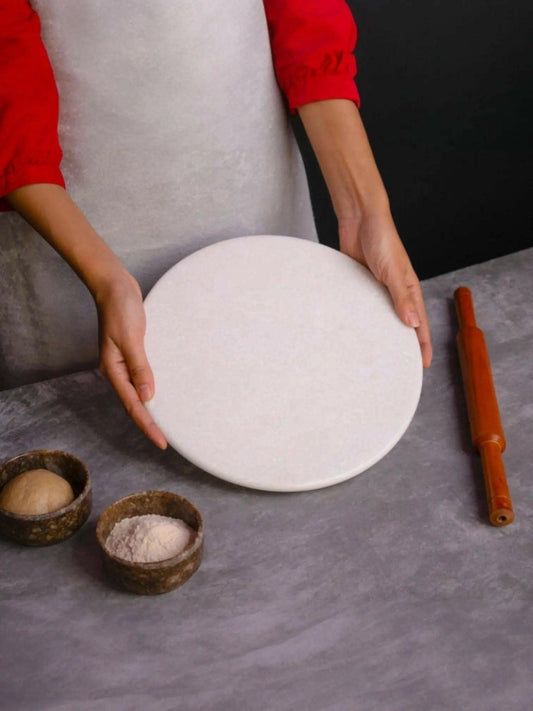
x: 374, y: 242
x: 366, y: 228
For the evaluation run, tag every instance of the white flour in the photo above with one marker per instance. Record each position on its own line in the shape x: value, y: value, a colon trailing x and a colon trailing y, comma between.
x: 149, y: 538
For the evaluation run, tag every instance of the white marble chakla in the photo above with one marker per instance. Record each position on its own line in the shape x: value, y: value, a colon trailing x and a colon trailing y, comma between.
x: 279, y: 363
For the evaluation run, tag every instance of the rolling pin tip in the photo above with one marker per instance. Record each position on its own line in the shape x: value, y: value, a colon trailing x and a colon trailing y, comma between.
x: 462, y: 290
x: 501, y: 515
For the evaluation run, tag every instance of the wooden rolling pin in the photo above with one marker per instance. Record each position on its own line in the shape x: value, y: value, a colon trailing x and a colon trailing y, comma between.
x: 485, y: 424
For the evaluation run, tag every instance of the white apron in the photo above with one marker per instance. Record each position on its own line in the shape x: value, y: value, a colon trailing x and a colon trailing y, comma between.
x: 174, y: 136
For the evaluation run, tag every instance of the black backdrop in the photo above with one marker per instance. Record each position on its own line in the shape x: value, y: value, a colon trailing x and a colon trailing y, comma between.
x: 445, y: 90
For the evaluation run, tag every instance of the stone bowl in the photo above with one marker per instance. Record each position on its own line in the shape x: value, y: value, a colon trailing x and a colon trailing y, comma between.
x: 161, y: 576
x: 54, y: 527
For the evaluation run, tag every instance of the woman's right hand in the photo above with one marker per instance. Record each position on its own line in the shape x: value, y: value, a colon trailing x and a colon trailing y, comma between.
x: 122, y: 325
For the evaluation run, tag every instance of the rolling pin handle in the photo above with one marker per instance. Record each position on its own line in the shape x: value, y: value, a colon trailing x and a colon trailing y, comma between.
x: 465, y: 307
x: 498, y: 497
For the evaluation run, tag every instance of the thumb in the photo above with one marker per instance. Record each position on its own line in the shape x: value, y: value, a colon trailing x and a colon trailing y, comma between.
x: 403, y: 290
x: 409, y: 305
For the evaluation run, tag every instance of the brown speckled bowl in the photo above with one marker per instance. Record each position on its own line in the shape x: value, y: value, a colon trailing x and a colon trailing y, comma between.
x: 164, y: 575
x: 53, y: 527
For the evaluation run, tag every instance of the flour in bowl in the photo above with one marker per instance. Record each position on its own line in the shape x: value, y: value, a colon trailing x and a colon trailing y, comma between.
x: 148, y: 538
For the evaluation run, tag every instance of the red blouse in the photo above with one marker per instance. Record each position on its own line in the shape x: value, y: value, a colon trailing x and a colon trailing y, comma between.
x: 312, y: 44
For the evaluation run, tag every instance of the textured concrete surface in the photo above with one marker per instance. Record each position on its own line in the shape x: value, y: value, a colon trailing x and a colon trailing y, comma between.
x: 389, y: 592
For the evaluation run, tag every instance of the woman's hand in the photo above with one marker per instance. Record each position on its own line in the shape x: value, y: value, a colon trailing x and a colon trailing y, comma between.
x: 122, y: 325
x: 53, y: 213
x: 366, y: 228
x: 374, y: 242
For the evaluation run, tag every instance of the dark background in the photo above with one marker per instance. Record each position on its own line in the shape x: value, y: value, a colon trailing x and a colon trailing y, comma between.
x: 446, y: 100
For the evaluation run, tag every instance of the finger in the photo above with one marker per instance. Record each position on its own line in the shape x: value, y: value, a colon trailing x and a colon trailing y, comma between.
x: 423, y: 332
x: 408, y: 303
x: 140, y: 372
x: 119, y: 377
x: 402, y: 289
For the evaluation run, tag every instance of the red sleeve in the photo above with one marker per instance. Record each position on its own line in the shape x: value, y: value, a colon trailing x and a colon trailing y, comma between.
x: 312, y: 43
x: 29, y: 106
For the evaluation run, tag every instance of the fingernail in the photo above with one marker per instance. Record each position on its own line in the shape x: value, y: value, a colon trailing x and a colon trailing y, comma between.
x: 413, y: 320
x: 144, y: 392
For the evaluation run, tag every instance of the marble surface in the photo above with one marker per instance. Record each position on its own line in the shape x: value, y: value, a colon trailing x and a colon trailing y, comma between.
x: 279, y: 363
x: 388, y: 592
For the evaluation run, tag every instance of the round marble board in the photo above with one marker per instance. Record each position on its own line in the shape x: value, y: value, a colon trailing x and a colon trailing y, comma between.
x: 279, y: 363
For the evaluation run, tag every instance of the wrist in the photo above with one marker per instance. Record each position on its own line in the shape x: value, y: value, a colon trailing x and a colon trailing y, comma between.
x: 355, y: 194
x: 114, y: 284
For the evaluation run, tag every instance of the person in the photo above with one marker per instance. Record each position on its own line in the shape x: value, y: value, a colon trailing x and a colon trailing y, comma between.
x: 175, y: 136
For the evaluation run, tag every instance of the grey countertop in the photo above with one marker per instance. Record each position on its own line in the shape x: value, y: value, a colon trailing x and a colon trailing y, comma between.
x: 388, y: 592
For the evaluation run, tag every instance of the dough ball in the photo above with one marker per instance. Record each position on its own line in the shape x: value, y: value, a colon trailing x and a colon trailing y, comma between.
x: 37, y: 491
